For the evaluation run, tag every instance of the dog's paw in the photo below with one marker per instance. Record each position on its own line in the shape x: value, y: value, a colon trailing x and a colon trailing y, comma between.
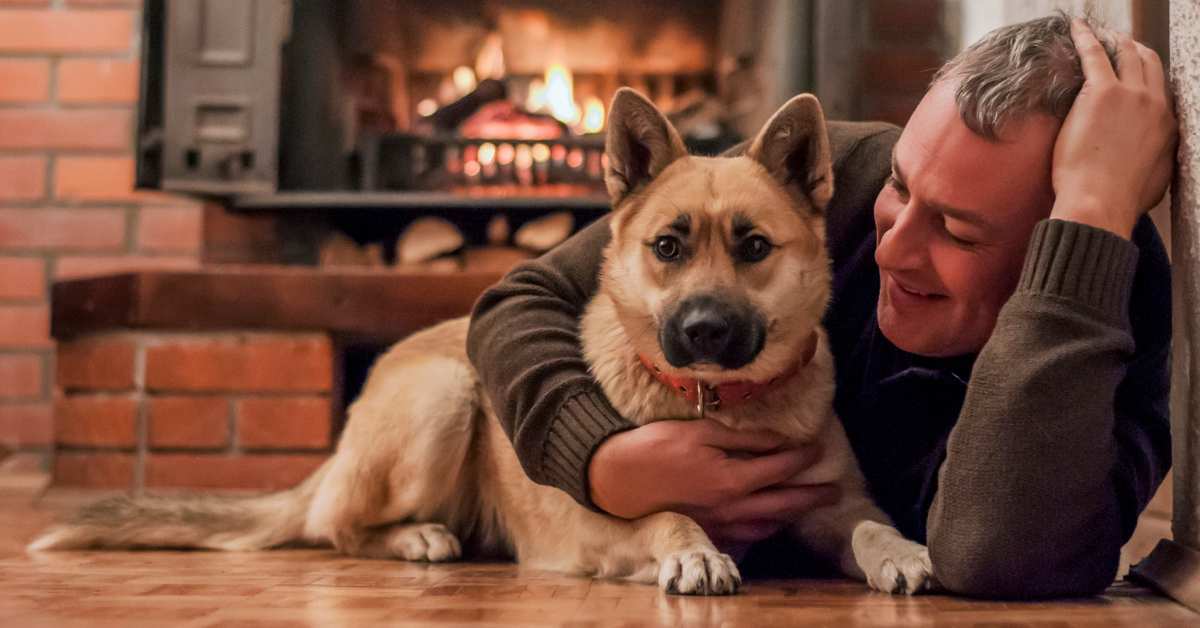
x: 428, y: 542
x: 892, y: 563
x: 904, y: 574
x: 699, y: 572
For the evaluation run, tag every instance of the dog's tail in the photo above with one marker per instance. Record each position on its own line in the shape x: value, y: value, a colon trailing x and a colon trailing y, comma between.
x: 190, y: 521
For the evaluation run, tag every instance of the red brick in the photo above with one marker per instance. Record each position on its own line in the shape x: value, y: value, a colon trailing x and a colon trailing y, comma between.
x: 250, y: 363
x: 26, y: 424
x: 91, y: 4
x: 88, y: 266
x: 170, y: 229
x: 899, y: 68
x: 95, y: 364
x: 283, y: 422
x: 26, y: 326
x: 24, y: 3
x: 191, y: 422
x: 93, y: 470
x: 71, y: 229
x: 98, y: 179
x: 22, y: 278
x: 95, y: 420
x: 906, y: 19
x: 24, y: 80
x: 82, y: 80
x: 199, y: 471
x: 235, y: 239
x: 66, y: 31
x: 87, y: 129
x: 20, y: 376
x: 22, y: 178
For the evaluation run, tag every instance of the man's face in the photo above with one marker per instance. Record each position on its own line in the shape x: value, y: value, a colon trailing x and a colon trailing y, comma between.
x: 953, y: 225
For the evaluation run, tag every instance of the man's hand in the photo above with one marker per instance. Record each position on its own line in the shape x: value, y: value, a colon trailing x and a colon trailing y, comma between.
x: 1116, y: 150
x: 735, y: 484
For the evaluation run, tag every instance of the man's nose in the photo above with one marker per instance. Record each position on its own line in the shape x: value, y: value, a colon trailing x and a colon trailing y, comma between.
x: 903, y: 241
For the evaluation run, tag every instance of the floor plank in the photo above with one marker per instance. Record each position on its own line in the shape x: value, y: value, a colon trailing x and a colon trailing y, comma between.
x: 321, y: 589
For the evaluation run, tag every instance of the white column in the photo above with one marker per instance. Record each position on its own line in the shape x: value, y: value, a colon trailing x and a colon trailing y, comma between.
x: 975, y: 18
x: 1185, y: 230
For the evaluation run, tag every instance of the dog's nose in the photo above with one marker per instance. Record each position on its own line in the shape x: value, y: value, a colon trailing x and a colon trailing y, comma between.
x: 707, y: 333
x: 712, y: 329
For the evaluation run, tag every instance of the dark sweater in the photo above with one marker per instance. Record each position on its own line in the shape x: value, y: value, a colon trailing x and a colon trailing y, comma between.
x: 1023, y: 468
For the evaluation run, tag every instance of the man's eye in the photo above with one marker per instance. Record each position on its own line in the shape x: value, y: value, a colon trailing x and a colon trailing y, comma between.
x: 754, y: 249
x: 897, y: 186
x: 668, y: 248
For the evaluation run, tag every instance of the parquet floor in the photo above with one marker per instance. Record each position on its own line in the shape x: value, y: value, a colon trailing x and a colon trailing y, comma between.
x: 320, y: 589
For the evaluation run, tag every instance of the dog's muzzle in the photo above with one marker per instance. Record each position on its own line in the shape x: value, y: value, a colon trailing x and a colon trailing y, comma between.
x: 712, y: 329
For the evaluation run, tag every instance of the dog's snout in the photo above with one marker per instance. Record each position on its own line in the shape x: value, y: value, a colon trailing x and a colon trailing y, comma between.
x: 707, y: 331
x: 712, y: 329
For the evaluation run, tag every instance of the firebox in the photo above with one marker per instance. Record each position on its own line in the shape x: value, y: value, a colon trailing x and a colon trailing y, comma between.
x: 359, y: 116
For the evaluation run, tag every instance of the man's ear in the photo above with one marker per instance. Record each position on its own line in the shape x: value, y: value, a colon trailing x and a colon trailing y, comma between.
x: 641, y: 144
x: 794, y: 148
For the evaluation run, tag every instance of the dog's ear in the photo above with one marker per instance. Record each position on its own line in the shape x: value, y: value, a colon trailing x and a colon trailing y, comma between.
x: 794, y: 148
x: 641, y: 144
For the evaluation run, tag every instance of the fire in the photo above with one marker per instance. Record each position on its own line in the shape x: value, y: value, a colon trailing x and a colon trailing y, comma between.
x: 560, y: 93
x: 464, y: 80
x: 593, y: 115
x: 490, y: 62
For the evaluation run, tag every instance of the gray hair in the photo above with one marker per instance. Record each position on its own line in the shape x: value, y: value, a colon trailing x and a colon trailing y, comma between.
x: 1019, y: 70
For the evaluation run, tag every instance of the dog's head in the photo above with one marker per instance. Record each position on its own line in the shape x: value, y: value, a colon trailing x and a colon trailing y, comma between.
x: 717, y: 265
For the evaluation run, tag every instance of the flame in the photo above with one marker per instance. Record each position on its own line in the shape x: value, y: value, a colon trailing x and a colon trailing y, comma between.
x: 593, y: 116
x: 490, y: 62
x: 464, y: 80
x: 556, y: 93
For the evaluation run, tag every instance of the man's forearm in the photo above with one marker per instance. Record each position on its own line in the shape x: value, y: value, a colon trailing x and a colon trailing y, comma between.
x: 1025, y: 505
x: 524, y: 343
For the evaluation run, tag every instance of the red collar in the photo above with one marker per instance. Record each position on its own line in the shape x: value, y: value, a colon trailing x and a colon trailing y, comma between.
x: 707, y: 396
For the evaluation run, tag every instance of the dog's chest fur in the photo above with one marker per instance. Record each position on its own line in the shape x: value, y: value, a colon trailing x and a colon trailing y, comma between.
x: 800, y: 408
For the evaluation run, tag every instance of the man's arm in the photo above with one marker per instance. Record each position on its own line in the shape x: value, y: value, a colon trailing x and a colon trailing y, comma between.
x: 1063, y: 437
x: 524, y: 343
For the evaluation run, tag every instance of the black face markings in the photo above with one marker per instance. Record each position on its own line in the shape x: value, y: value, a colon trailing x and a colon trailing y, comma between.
x: 741, y: 224
x: 682, y: 225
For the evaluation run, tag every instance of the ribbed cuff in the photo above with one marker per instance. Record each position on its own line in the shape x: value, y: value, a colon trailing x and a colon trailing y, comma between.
x: 1074, y: 261
x: 584, y: 421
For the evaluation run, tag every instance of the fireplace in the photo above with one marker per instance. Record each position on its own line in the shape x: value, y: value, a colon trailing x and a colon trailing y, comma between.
x: 348, y: 120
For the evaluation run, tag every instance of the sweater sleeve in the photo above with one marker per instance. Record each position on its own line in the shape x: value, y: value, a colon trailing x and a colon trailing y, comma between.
x: 1063, y: 436
x: 524, y: 343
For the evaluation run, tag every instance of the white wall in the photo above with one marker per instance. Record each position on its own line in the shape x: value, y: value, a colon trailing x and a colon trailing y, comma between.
x: 968, y: 20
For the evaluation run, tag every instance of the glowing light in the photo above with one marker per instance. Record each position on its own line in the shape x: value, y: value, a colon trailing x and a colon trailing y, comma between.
x: 427, y: 107
x: 471, y: 168
x: 487, y: 154
x: 490, y: 62
x: 558, y: 153
x: 541, y: 152
x: 524, y: 157
x: 560, y: 93
x: 593, y: 116
x: 464, y: 80
x: 575, y: 158
x: 537, y: 96
x: 505, y: 154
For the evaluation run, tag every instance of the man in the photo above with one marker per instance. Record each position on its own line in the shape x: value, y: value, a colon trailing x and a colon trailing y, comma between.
x: 1000, y: 324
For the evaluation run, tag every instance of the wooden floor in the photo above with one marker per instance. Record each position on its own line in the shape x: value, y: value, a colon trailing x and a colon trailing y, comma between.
x: 300, y: 588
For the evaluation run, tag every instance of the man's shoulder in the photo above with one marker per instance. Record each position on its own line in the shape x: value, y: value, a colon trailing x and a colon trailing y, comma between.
x: 850, y: 139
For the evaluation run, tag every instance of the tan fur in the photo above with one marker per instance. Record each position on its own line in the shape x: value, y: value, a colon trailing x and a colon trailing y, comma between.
x: 424, y: 462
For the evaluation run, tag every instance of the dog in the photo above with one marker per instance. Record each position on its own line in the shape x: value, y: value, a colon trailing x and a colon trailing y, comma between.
x: 710, y: 301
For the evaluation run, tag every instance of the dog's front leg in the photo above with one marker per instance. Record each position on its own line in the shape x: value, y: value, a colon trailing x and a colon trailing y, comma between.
x: 686, y: 559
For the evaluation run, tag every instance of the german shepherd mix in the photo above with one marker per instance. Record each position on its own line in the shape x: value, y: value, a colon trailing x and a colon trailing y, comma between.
x: 710, y: 303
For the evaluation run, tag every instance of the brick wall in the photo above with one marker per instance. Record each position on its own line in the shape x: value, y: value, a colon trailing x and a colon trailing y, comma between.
x: 68, y: 88
x: 905, y: 47
x: 166, y: 410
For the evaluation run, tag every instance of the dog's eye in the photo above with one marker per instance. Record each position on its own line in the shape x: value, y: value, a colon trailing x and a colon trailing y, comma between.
x: 667, y: 248
x: 754, y: 249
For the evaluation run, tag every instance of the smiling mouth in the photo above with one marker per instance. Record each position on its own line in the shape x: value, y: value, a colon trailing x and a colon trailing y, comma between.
x: 913, y: 290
